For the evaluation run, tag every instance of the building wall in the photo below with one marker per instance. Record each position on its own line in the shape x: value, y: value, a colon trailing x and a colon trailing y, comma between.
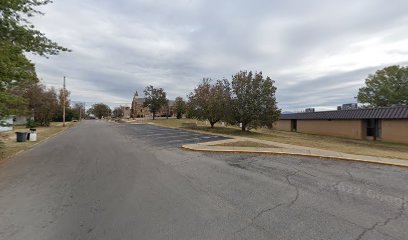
x: 126, y: 112
x: 282, y: 125
x: 339, y: 128
x: 391, y: 130
x: 395, y: 131
x: 138, y: 110
x: 141, y: 111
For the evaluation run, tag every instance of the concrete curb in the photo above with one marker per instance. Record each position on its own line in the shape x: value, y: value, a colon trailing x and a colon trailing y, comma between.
x: 191, y: 147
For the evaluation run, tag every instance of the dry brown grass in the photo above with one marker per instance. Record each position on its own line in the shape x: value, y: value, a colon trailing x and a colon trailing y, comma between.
x: 9, y: 146
x: 360, y: 147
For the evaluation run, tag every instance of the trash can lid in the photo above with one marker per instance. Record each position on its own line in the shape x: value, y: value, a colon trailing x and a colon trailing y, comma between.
x: 33, y: 129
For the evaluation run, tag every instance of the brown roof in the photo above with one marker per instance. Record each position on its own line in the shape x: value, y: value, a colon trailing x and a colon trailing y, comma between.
x: 399, y: 112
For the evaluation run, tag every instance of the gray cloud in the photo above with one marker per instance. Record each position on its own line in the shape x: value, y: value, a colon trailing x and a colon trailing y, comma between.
x: 319, y: 52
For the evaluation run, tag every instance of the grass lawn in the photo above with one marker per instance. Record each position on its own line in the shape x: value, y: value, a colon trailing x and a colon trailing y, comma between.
x: 361, y: 147
x: 246, y: 144
x: 173, y: 122
x: 9, y: 146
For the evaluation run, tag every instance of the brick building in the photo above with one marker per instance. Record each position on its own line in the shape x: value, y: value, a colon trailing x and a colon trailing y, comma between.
x: 388, y: 124
x: 137, y: 110
x: 126, y: 113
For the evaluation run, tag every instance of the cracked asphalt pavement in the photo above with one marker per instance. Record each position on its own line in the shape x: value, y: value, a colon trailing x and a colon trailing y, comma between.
x: 102, y: 180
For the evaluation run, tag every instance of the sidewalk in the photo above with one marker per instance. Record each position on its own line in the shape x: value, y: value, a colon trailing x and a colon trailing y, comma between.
x: 287, y: 149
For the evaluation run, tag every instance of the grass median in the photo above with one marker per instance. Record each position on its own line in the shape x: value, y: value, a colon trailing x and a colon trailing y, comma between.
x: 9, y: 146
x: 344, y: 145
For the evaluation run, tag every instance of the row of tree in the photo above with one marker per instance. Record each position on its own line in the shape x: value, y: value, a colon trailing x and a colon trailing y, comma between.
x: 46, y: 105
x: 249, y: 100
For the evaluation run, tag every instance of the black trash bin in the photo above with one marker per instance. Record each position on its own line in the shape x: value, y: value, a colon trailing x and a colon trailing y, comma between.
x: 21, y: 136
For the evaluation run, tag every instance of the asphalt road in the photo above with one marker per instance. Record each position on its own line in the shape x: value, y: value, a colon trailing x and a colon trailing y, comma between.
x: 102, y: 180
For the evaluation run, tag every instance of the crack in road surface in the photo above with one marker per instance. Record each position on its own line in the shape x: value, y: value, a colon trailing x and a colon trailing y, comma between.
x: 258, y: 215
x: 383, y: 223
x: 293, y: 185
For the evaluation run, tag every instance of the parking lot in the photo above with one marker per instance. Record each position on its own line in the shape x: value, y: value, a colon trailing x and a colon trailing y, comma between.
x: 168, y: 137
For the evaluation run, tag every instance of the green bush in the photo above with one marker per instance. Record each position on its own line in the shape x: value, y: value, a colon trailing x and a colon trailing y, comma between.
x: 31, y: 123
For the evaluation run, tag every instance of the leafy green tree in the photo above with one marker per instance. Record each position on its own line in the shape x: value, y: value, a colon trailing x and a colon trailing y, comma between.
x: 100, y: 110
x: 16, y: 29
x: 17, y: 76
x: 155, y: 99
x: 117, y: 112
x: 386, y: 87
x: 210, y: 101
x: 253, y: 100
x: 17, y: 36
x: 78, y: 111
x: 180, y: 107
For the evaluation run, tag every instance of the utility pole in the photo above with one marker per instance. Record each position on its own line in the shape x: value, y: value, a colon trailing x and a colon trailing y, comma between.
x: 63, y: 103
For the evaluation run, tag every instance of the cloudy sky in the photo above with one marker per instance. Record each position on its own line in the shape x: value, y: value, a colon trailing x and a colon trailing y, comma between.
x: 318, y: 51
